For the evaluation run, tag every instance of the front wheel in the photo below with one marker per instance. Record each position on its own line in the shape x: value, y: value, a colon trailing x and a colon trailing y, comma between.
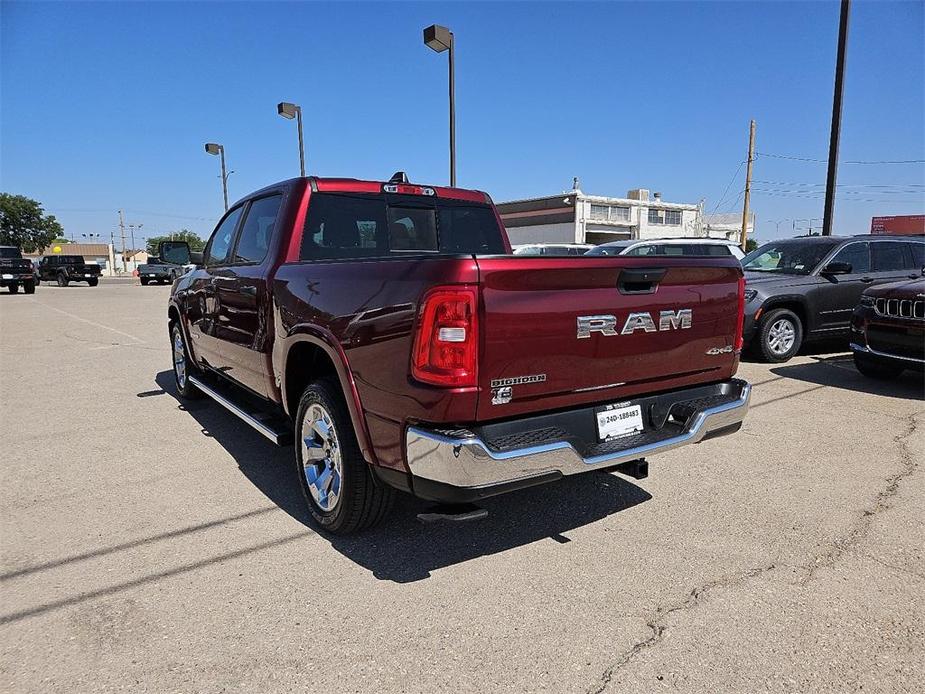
x: 780, y: 335
x: 182, y: 366
x: 336, y: 481
x: 876, y: 369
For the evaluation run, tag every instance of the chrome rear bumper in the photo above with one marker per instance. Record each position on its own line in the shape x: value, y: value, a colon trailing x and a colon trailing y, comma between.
x: 448, y: 465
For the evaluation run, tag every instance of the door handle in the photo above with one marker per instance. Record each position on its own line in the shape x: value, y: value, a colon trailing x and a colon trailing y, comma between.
x: 249, y: 290
x: 867, y: 280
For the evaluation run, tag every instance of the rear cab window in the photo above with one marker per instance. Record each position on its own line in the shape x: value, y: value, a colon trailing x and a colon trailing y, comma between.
x: 345, y: 225
x: 7, y: 252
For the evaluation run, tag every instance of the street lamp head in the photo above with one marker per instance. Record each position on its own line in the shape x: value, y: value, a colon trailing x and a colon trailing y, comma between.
x: 438, y: 38
x: 213, y: 148
x: 287, y: 110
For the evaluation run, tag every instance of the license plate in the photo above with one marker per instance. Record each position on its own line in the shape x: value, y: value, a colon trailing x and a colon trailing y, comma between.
x: 88, y: 275
x: 619, y: 421
x: 7, y: 277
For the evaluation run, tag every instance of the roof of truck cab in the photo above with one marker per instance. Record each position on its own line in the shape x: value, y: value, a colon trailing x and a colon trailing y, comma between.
x: 356, y: 185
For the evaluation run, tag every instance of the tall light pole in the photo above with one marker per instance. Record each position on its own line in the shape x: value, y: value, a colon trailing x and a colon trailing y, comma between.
x: 214, y: 148
x: 440, y: 39
x: 835, y: 133
x: 290, y: 111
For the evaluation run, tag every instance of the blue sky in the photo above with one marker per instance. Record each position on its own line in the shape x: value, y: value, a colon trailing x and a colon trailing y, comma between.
x: 107, y: 106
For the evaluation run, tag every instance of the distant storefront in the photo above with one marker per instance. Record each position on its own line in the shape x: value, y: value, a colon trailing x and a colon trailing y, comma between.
x: 898, y: 224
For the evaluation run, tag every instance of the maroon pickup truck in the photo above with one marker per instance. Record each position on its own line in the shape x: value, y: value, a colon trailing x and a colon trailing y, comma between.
x: 388, y: 331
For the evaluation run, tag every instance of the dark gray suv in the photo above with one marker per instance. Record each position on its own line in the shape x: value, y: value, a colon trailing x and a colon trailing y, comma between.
x: 805, y: 288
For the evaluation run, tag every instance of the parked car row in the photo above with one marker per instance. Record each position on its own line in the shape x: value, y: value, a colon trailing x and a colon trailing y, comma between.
x: 805, y: 289
x: 666, y: 247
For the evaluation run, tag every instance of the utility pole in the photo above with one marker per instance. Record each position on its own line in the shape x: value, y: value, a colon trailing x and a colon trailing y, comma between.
x: 836, y: 119
x: 122, y: 228
x: 748, y: 183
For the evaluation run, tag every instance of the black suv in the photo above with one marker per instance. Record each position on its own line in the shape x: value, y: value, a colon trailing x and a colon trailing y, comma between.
x: 805, y: 288
x: 65, y: 269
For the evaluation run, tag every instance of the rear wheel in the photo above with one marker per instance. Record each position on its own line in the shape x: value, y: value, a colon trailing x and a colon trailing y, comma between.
x: 62, y: 280
x: 182, y: 366
x: 875, y: 368
x: 144, y: 282
x: 13, y: 288
x: 779, y: 335
x: 335, y: 480
x: 29, y: 286
x: 93, y: 282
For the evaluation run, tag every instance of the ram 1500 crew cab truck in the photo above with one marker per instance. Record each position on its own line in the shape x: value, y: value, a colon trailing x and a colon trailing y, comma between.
x: 387, y: 330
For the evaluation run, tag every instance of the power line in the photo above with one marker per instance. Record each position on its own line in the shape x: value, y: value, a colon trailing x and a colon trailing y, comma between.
x: 846, y: 185
x: 845, y: 192
x: 825, y: 161
x: 728, y: 185
x: 811, y: 196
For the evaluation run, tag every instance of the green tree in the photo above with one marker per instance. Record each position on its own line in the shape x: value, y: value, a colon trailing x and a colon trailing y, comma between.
x: 195, y: 243
x: 750, y: 245
x: 23, y: 223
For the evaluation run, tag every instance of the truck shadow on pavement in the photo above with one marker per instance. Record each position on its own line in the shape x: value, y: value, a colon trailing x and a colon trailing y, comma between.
x: 403, y: 549
x: 838, y: 371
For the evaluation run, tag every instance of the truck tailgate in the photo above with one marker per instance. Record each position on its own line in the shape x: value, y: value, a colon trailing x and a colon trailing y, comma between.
x: 646, y: 325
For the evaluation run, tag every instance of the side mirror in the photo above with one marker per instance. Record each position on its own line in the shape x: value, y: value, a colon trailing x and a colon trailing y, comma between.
x: 174, y: 252
x: 837, y: 269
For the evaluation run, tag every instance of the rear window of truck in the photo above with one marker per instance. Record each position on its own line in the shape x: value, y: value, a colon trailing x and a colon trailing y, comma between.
x: 369, y: 226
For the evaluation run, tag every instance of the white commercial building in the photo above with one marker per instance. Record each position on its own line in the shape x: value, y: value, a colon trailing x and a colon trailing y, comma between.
x: 575, y: 217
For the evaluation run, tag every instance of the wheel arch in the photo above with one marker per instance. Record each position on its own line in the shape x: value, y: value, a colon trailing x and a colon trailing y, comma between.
x: 796, y: 303
x: 310, y: 353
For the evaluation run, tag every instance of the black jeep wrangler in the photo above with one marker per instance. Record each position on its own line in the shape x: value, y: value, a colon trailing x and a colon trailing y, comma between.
x: 15, y: 271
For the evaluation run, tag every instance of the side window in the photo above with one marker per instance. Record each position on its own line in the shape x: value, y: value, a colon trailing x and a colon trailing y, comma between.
x: 887, y: 256
x: 412, y: 229
x: 918, y: 255
x: 856, y: 255
x: 220, y: 243
x: 642, y: 250
x: 254, y: 239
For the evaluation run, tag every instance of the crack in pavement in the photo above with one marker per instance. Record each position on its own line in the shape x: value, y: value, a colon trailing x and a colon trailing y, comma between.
x: 883, y: 501
x: 657, y: 627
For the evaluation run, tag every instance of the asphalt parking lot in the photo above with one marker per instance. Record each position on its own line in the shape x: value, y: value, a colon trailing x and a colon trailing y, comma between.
x: 151, y: 547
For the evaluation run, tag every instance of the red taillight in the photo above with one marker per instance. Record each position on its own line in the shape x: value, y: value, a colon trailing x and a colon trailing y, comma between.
x: 446, y: 343
x: 740, y: 325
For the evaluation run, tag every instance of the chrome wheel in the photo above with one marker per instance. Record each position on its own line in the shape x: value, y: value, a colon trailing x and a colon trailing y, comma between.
x: 321, y: 457
x: 781, y: 336
x: 179, y: 358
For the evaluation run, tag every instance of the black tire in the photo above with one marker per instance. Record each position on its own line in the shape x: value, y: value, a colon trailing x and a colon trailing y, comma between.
x: 144, y: 282
x: 29, y: 286
x: 38, y: 280
x: 361, y: 502
x: 93, y: 282
x: 770, y: 341
x: 875, y: 368
x: 186, y: 389
x: 12, y: 288
x: 63, y: 281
